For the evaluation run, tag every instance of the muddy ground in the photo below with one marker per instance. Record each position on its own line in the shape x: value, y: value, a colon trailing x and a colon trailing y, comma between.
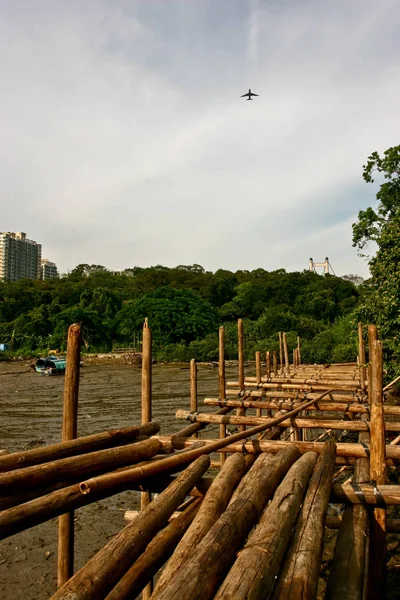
x: 31, y: 414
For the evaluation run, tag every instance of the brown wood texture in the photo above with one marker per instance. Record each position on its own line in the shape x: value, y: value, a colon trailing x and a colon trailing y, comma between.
x: 298, y: 577
x: 253, y: 574
x: 286, y: 353
x: 81, y: 445
x: 221, y: 382
x: 200, y: 576
x: 65, y: 560
x: 155, y: 555
x: 215, y: 502
x: 102, y: 572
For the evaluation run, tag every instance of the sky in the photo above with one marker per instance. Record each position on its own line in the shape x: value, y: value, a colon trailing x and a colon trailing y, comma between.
x: 124, y: 142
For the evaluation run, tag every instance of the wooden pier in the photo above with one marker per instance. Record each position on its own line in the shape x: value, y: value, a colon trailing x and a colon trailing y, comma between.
x: 239, y: 516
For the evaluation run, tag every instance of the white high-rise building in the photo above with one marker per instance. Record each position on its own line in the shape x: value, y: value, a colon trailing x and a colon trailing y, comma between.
x: 19, y: 257
x: 49, y: 269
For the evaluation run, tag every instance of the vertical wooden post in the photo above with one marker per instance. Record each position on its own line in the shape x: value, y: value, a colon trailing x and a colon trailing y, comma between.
x: 294, y: 359
x: 298, y: 351
x: 372, y: 337
x: 280, y: 352
x: 221, y: 383
x: 285, y: 348
x: 193, y: 388
x: 241, y: 411
x: 145, y: 497
x: 65, y: 568
x: 361, y: 355
x: 377, y: 472
x: 275, y: 363
x: 268, y: 364
x: 258, y: 376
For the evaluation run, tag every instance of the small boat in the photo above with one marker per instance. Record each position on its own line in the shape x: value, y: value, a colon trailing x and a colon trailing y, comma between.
x: 52, y: 365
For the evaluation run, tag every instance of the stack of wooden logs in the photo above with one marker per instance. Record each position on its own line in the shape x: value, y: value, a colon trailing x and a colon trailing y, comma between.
x: 241, y: 516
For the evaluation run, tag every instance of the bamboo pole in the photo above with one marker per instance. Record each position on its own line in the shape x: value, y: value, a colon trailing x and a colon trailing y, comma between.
x: 155, y: 555
x: 102, y: 572
x: 275, y: 363
x: 377, y: 549
x: 65, y: 560
x: 199, y: 577
x: 221, y: 382
x: 286, y: 353
x: 241, y: 411
x: 81, y: 445
x: 300, y: 571
x: 253, y: 574
x: 214, y: 504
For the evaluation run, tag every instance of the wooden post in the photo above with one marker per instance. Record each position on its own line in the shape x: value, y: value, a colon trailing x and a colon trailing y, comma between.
x: 361, y: 355
x: 285, y: 348
x: 377, y: 548
x: 258, y: 376
x: 298, y: 350
x: 145, y: 497
x: 193, y: 389
x: 241, y: 411
x: 65, y: 567
x: 281, y: 352
x: 221, y: 383
x: 275, y: 363
x: 268, y: 364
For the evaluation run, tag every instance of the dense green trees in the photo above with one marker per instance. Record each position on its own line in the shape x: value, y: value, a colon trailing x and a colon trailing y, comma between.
x: 185, y: 305
x: 381, y: 293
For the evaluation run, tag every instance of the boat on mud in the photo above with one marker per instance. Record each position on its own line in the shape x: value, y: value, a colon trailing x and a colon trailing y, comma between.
x: 52, y: 365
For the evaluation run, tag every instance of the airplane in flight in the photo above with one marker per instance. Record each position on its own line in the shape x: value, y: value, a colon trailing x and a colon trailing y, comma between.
x: 249, y: 95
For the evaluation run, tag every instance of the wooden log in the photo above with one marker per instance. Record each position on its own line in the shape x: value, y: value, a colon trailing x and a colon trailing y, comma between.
x: 258, y: 375
x: 241, y: 411
x: 221, y: 382
x: 190, y: 430
x: 268, y: 364
x: 349, y: 383
x: 325, y: 405
x: 298, y: 350
x: 345, y: 450
x: 253, y: 574
x: 377, y: 547
x: 281, y: 369
x: 81, y: 445
x: 102, y: 572
x: 65, y: 561
x: 304, y: 387
x: 392, y: 525
x: 309, y: 422
x: 214, y: 504
x: 361, y: 356
x: 346, y: 574
x: 199, y: 577
x: 300, y: 571
x: 67, y: 469
x: 147, y: 373
x: 155, y: 555
x: 346, y: 494
x: 286, y: 353
x: 348, y: 397
x: 275, y: 363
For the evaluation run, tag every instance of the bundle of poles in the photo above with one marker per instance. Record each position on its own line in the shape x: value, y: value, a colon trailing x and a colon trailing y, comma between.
x: 239, y: 516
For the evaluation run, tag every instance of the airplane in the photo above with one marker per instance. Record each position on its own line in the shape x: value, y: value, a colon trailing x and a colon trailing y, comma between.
x: 249, y: 95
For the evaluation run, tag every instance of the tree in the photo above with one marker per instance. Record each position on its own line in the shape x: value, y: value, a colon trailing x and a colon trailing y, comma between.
x: 381, y: 303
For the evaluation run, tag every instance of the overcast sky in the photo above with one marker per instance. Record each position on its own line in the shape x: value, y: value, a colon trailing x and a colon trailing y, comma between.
x: 123, y: 140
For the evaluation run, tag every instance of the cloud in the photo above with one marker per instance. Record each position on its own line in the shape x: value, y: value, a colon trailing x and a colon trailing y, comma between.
x: 124, y: 140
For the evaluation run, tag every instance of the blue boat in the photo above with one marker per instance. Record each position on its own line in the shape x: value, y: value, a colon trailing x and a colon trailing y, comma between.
x: 52, y: 365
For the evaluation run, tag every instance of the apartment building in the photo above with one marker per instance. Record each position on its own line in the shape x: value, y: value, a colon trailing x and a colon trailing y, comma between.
x: 19, y: 257
x: 48, y: 269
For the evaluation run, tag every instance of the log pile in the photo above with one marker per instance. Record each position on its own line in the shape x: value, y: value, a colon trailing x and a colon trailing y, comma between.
x: 249, y: 525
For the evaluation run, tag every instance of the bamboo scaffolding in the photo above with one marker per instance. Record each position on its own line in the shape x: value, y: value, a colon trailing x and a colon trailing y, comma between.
x: 65, y: 559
